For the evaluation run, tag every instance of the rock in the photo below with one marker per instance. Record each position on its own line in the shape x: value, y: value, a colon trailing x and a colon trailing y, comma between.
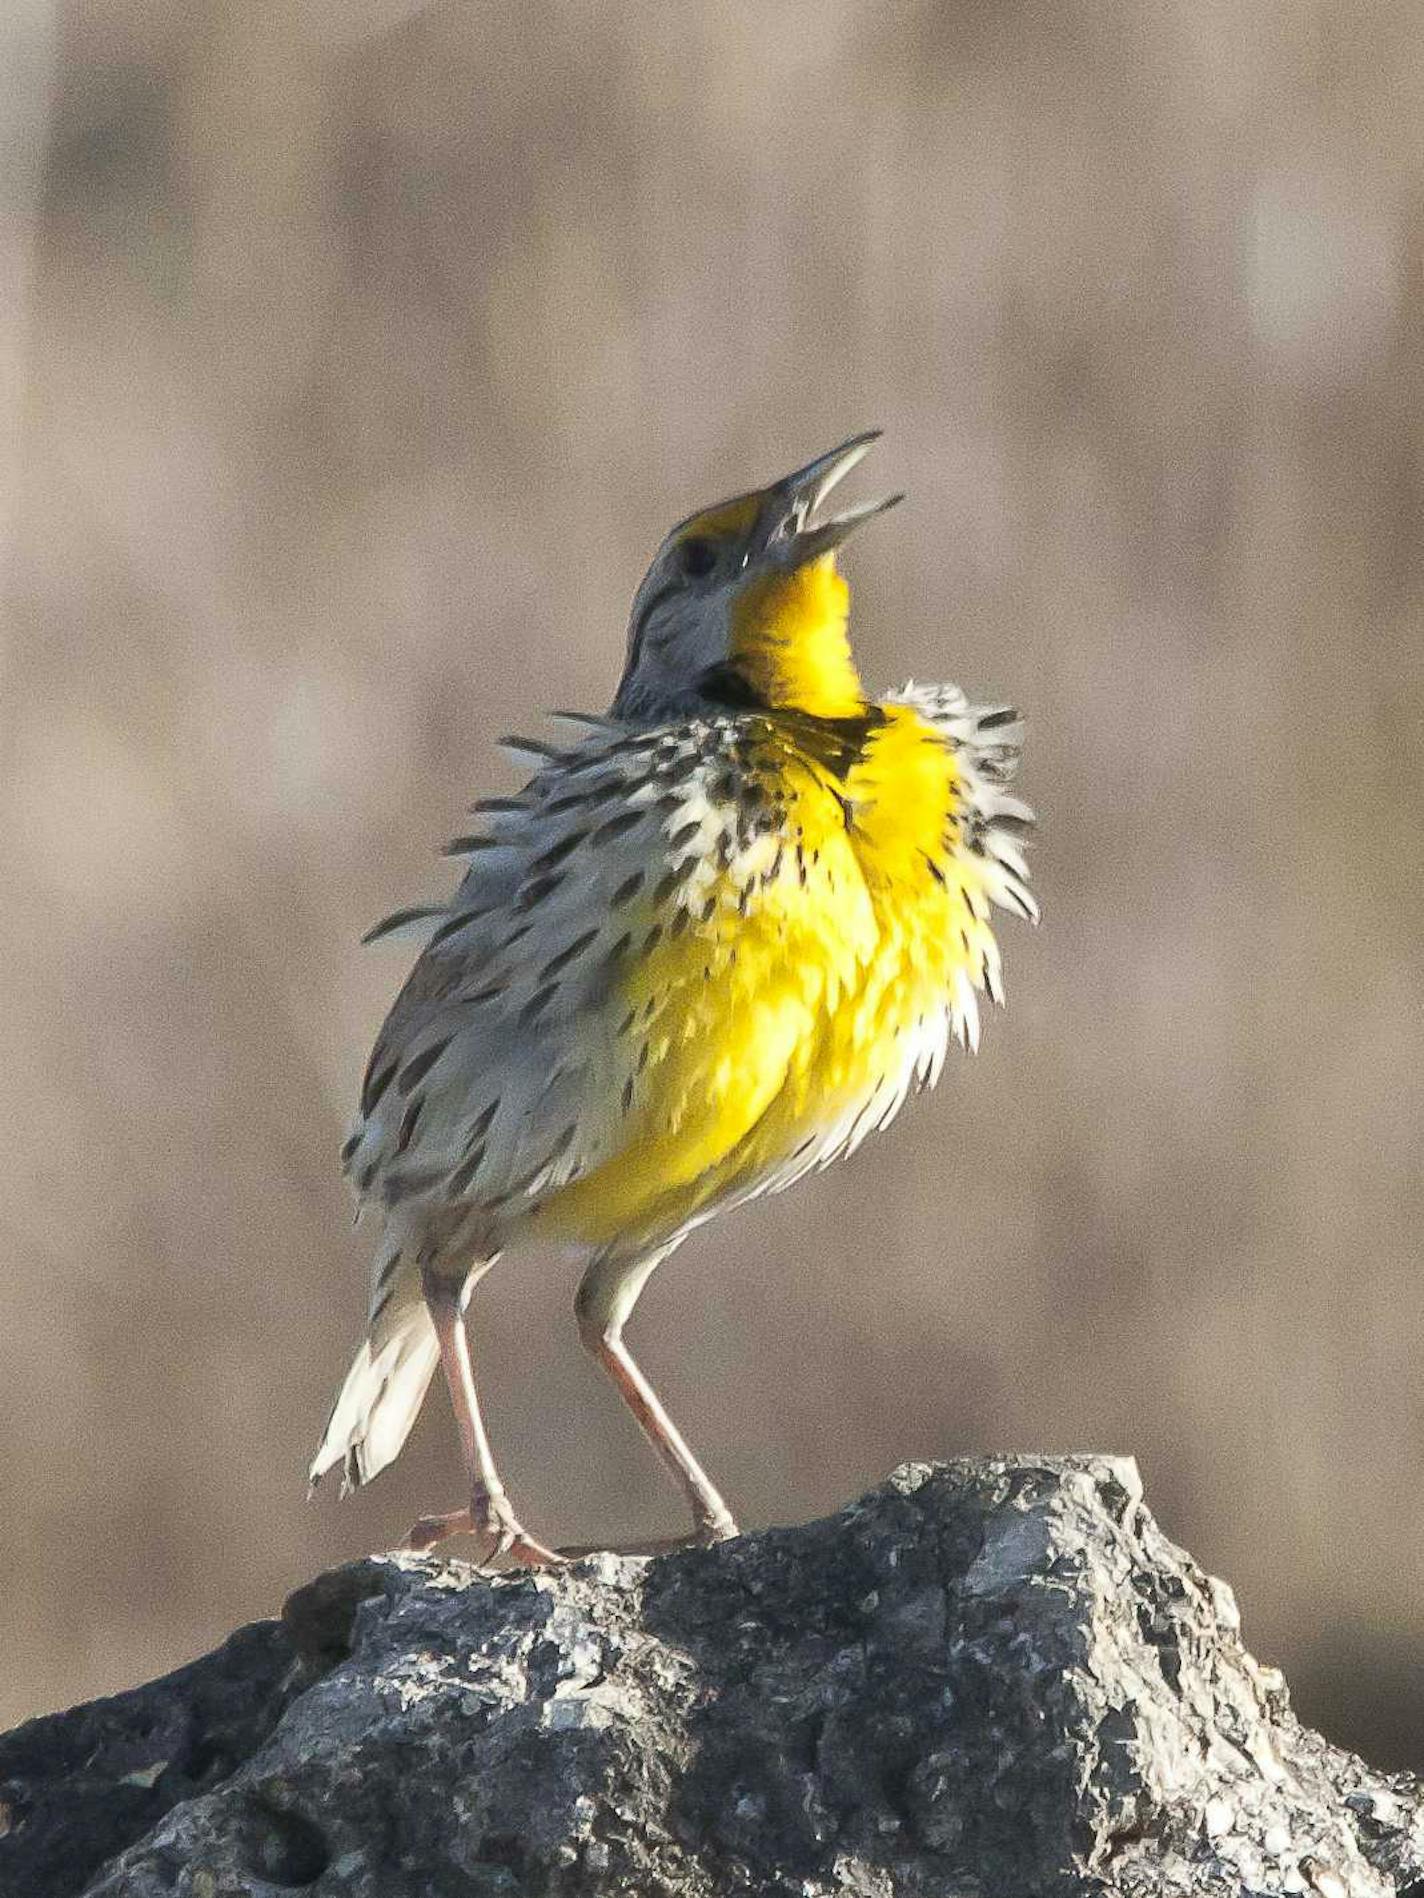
x: 991, y: 1679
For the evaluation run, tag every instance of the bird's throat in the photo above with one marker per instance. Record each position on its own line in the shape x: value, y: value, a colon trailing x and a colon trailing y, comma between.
x: 790, y: 641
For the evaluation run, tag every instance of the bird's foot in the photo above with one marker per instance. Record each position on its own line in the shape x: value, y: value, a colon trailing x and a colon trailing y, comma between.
x: 713, y: 1527
x: 429, y: 1530
x: 492, y: 1521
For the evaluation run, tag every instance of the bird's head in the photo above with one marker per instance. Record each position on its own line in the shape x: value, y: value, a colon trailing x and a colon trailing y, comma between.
x: 743, y: 604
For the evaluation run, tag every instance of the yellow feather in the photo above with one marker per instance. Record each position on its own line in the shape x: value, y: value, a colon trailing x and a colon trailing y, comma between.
x: 790, y: 640
x: 769, y: 1019
x: 731, y: 519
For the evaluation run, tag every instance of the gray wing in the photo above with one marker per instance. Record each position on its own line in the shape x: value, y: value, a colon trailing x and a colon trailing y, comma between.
x: 497, y: 1076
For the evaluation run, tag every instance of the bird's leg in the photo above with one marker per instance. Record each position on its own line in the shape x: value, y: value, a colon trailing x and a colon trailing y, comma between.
x: 711, y: 1515
x: 607, y: 1293
x: 489, y: 1516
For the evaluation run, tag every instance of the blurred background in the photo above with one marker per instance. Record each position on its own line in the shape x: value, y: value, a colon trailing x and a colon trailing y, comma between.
x: 354, y: 356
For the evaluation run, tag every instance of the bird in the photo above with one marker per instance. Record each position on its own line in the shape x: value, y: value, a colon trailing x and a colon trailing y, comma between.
x: 717, y: 938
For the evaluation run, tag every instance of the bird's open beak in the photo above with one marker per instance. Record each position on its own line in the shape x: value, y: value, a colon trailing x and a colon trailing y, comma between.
x: 792, y: 537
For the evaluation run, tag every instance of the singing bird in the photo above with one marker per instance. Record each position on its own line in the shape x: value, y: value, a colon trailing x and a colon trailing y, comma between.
x: 715, y: 940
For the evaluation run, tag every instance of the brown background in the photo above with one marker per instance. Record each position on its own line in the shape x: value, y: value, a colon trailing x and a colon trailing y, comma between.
x: 354, y: 355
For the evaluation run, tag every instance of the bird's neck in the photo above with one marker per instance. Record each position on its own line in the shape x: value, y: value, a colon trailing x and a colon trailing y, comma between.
x: 791, y: 645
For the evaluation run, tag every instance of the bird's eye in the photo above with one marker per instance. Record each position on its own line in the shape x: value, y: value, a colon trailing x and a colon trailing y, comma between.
x: 697, y: 557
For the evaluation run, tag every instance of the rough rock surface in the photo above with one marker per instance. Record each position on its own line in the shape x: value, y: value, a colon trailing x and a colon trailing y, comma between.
x: 992, y: 1679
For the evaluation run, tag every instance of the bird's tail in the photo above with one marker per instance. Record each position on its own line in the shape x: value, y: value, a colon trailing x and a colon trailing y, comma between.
x: 383, y: 1392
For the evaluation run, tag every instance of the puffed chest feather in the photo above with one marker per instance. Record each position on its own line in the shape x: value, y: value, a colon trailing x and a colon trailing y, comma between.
x: 687, y: 966
x: 802, y: 979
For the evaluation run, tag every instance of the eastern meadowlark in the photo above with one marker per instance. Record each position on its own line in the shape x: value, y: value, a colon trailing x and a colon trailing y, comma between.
x: 714, y: 941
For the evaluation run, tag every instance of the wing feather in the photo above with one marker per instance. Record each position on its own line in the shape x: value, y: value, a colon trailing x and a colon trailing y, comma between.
x: 496, y: 1079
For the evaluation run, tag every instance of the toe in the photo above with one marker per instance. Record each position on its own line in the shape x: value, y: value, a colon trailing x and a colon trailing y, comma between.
x: 507, y: 1538
x: 716, y: 1529
x: 432, y: 1529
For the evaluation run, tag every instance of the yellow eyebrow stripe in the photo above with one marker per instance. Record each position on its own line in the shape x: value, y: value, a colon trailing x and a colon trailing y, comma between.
x: 730, y: 519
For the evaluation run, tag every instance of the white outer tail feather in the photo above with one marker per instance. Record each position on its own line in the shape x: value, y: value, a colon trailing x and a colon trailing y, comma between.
x: 383, y: 1392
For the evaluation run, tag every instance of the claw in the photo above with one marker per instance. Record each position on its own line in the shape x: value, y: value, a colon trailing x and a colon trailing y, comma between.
x: 493, y: 1523
x: 711, y: 1530
x: 429, y: 1530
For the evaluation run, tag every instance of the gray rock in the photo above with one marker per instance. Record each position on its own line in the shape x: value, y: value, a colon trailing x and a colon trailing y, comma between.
x: 986, y: 1679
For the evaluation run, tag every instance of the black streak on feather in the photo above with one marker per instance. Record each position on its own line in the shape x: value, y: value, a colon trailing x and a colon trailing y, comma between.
x: 532, y: 747
x: 409, y: 1120
x: 565, y: 956
x: 556, y: 853
x: 376, y: 1083
x: 452, y: 928
x: 407, y: 1182
x: 467, y: 846
x: 416, y: 1069
x: 616, y: 826
x: 486, y: 994
x: 537, y: 1003
x: 574, y: 800
x: 537, y: 889
x: 418, y: 913
x: 461, y: 1179
x: 388, y: 1271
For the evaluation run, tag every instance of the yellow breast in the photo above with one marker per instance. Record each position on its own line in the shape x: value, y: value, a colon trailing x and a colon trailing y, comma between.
x: 791, y: 983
